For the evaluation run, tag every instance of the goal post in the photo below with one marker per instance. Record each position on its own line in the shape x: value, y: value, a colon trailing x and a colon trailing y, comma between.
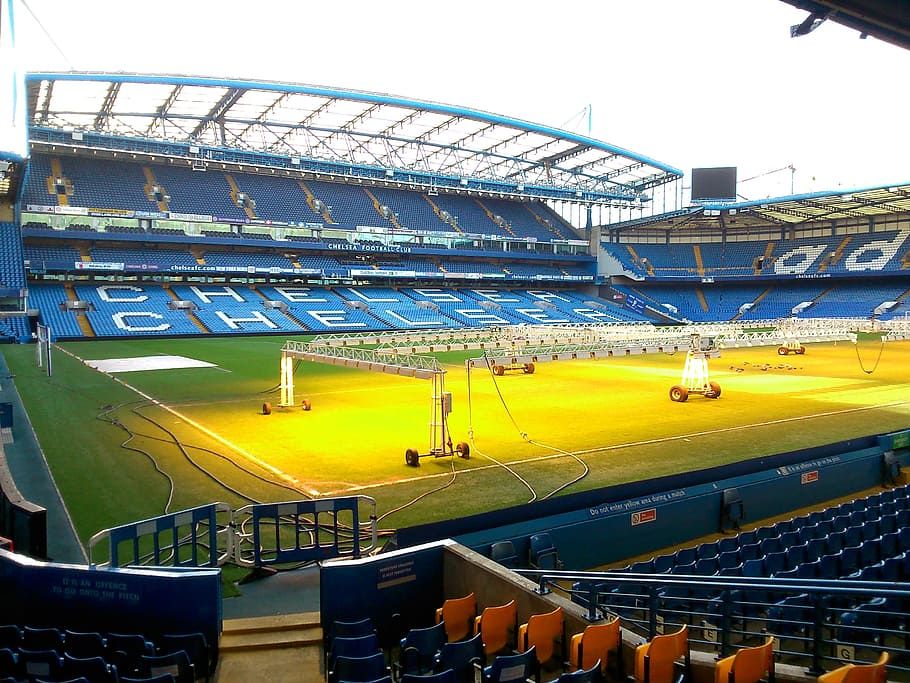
x: 43, y: 358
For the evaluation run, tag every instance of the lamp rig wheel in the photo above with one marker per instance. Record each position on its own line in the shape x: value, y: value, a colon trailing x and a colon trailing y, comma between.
x: 305, y: 404
x: 782, y: 350
x: 714, y: 391
x: 678, y: 393
x: 463, y: 450
x: 412, y: 458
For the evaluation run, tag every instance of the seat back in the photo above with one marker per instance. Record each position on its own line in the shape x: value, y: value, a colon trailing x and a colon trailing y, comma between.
x: 504, y: 553
x: 92, y: 668
x: 654, y: 660
x: 458, y: 616
x: 858, y: 673
x: 590, y: 675
x: 595, y: 643
x: 496, y: 625
x: 361, y: 627
x: 542, y: 552
x: 359, y: 669
x: 419, y: 648
x: 359, y: 646
x: 462, y: 656
x: 175, y: 663
x: 748, y: 665
x: 542, y: 632
x: 445, y: 676
x: 79, y: 644
x: 195, y: 645
x: 510, y: 668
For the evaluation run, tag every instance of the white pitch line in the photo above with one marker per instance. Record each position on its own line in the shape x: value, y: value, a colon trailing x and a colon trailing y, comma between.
x: 630, y: 444
x: 296, y: 483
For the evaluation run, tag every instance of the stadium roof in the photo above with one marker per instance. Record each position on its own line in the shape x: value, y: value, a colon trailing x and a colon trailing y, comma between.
x: 345, y: 127
x: 887, y: 20
x: 791, y: 210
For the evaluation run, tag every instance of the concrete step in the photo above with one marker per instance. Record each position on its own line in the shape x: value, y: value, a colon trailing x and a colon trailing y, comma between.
x: 275, y: 622
x: 270, y: 640
x: 291, y: 665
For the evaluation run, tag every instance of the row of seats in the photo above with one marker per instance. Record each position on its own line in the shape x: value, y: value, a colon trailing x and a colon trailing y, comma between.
x: 146, y: 309
x: 841, y: 299
x: 125, y: 186
x: 28, y: 653
x: 834, y: 255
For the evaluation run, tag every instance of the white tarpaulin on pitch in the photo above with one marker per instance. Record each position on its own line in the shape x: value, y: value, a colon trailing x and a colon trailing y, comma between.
x: 113, y: 365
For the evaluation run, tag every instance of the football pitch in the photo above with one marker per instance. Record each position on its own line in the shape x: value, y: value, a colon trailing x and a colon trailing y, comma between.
x: 133, y: 445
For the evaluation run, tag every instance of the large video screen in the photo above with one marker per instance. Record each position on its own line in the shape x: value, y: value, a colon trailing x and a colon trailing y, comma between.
x: 714, y: 183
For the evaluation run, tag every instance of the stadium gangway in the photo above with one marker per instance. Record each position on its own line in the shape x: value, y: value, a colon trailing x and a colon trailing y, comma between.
x: 830, y: 621
x: 256, y: 535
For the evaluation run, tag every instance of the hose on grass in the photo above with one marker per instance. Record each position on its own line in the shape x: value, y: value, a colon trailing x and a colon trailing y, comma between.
x: 878, y: 359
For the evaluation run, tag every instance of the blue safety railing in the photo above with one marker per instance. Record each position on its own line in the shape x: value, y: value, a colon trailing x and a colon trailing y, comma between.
x: 818, y: 624
x: 304, y: 531
x: 198, y: 537
x: 256, y: 535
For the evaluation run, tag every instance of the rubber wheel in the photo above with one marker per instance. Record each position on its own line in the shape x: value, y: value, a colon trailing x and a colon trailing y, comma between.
x: 463, y: 450
x: 499, y: 370
x: 715, y: 389
x: 266, y: 408
x: 412, y: 458
x: 529, y: 368
x: 782, y: 350
x: 305, y: 404
x: 801, y: 350
x: 678, y: 393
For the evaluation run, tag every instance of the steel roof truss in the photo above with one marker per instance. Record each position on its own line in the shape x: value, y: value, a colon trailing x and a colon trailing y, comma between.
x: 104, y: 112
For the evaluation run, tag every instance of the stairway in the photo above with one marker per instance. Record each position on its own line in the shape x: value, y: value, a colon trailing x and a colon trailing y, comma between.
x: 57, y: 172
x: 391, y: 218
x: 702, y: 301
x: 150, y: 184
x: 505, y: 225
x: 84, y: 325
x: 699, y: 266
x: 235, y: 197
x: 552, y: 228
x: 278, y: 649
x: 311, y: 202
x: 755, y: 303
x: 192, y: 316
x: 450, y: 222
x: 833, y: 258
x: 765, y: 259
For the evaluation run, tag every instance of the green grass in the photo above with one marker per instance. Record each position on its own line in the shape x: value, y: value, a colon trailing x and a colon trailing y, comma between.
x: 614, y: 413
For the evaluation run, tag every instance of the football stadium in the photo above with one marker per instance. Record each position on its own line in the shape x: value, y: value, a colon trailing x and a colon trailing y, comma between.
x: 311, y: 383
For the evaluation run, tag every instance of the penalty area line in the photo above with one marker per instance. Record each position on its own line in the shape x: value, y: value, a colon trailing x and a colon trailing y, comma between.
x: 284, y: 476
x: 619, y: 446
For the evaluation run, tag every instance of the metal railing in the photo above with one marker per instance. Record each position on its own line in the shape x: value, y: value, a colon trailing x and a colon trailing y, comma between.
x: 818, y: 624
x: 255, y: 535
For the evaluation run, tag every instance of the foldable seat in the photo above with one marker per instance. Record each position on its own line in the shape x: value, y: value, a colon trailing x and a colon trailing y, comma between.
x: 765, y: 532
x: 849, y: 559
x: 512, y: 668
x: 835, y: 543
x: 887, y: 524
x: 840, y: 523
x: 10, y: 635
x: 464, y: 657
x: 39, y: 664
x: 177, y: 664
x: 41, y: 639
x: 684, y: 556
x: 458, y: 616
x: 196, y: 647
x: 657, y: 660
x: 544, y: 634
x: 504, y: 553
x: 871, y: 530
x: 775, y: 562
x: 853, y: 536
x: 829, y: 566
x: 9, y: 663
x: 727, y: 544
x: 864, y: 623
x: 357, y: 646
x: 750, y: 552
x: 746, y: 538
x: 95, y: 669
x: 590, y: 675
x: 445, y: 676
x: 903, y: 536
x: 706, y: 550
x: 770, y: 545
x: 643, y: 567
x: 359, y: 669
x: 598, y: 644
x: 748, y: 665
x: 80, y: 644
x: 419, y: 648
x: 663, y: 563
x: 791, y: 616
x: 789, y: 539
x: 796, y: 555
x: 496, y: 625
x: 542, y: 553
x: 754, y: 567
x: 161, y: 678
x: 727, y: 560
x: 706, y: 566
x: 342, y: 628
x: 824, y: 528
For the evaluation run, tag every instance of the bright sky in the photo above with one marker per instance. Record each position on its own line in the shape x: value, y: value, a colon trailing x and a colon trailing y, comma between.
x: 695, y: 83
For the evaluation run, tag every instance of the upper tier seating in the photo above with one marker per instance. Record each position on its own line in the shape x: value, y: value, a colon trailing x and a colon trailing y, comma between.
x: 12, y: 266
